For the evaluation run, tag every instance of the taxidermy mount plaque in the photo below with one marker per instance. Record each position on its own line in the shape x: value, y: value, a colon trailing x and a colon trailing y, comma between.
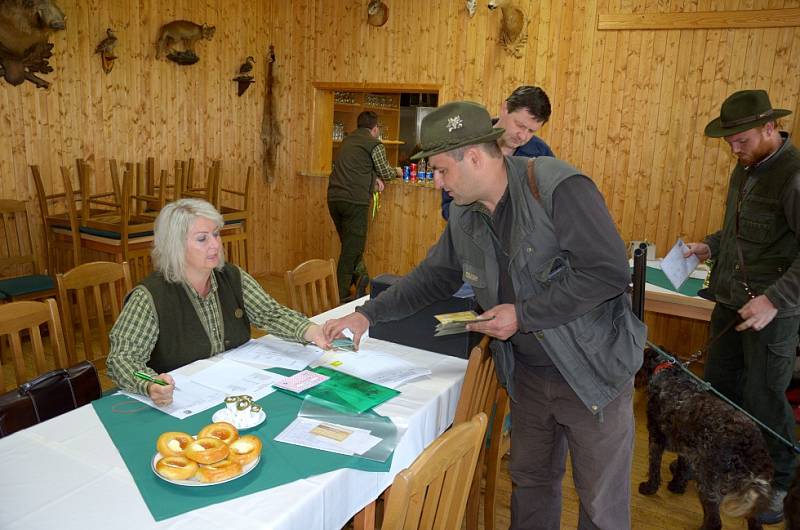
x: 25, y: 26
x: 186, y: 33
x: 106, y: 50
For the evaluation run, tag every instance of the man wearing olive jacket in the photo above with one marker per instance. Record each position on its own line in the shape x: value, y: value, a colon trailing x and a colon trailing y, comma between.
x: 552, y: 270
x: 755, y: 279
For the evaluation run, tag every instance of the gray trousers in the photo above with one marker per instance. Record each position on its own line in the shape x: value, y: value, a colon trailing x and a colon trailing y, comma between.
x: 547, y: 419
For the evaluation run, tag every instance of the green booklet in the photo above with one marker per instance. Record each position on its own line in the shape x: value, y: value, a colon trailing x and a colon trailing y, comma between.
x: 345, y: 393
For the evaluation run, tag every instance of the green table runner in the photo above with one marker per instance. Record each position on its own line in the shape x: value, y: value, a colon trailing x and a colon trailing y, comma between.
x: 135, y: 434
x: 689, y: 287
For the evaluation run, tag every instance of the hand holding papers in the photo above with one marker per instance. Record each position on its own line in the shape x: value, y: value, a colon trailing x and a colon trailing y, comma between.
x: 677, y: 268
x: 452, y: 323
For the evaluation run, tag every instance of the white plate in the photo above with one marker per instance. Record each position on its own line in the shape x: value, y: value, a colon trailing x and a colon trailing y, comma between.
x: 225, y: 415
x: 195, y: 482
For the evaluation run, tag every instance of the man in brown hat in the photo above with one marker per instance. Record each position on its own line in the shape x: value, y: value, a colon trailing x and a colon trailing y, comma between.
x: 755, y: 278
x: 534, y: 239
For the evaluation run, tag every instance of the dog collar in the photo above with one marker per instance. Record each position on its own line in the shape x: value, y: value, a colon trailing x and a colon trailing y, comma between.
x: 662, y: 366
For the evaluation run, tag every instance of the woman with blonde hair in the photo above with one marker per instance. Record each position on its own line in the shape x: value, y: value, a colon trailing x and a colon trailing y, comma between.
x: 193, y: 306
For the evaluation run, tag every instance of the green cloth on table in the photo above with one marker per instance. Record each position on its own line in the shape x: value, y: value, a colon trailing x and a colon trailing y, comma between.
x: 658, y: 278
x: 135, y: 434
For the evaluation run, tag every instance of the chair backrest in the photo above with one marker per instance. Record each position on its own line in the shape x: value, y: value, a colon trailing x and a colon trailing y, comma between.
x: 93, y: 291
x: 479, y: 390
x: 18, y: 318
x: 432, y: 492
x: 312, y: 286
x: 72, y: 216
x: 17, y: 253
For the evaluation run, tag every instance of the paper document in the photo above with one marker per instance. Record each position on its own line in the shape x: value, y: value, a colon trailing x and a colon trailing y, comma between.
x: 272, y: 352
x: 301, y: 381
x: 326, y: 436
x: 677, y: 268
x: 452, y: 323
x: 373, y: 366
x: 209, y: 386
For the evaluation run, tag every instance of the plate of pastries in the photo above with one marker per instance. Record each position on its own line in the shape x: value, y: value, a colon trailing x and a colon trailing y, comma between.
x: 215, y: 455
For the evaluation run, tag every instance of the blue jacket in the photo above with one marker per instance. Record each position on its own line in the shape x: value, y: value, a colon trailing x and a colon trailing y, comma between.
x: 535, y: 147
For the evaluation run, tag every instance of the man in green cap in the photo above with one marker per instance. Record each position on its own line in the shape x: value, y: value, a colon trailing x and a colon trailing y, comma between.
x: 534, y: 239
x: 755, y: 279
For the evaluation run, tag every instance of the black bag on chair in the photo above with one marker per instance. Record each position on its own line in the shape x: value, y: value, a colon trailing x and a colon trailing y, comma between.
x: 47, y: 396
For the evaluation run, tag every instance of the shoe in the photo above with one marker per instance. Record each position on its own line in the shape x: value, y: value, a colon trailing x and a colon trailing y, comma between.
x: 361, y: 285
x: 774, y: 512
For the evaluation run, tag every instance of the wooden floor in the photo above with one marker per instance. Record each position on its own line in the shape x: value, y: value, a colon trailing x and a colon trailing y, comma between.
x: 662, y: 511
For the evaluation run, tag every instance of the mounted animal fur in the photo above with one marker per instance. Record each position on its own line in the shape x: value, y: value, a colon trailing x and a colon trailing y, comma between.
x: 718, y: 446
x: 185, y: 32
x: 25, y: 27
x: 513, y: 26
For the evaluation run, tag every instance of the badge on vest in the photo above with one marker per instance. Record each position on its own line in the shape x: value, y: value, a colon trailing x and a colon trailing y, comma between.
x: 238, y: 313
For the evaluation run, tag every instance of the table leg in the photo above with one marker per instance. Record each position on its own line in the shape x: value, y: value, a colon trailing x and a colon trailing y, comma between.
x: 365, y: 519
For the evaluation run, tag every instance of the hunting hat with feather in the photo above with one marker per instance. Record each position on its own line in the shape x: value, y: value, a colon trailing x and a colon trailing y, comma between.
x: 455, y: 125
x: 743, y: 110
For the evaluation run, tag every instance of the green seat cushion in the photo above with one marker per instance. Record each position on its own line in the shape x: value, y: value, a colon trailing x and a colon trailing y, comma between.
x: 111, y: 235
x: 22, y: 285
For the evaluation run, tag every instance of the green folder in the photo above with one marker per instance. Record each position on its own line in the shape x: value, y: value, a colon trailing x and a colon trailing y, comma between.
x: 344, y: 393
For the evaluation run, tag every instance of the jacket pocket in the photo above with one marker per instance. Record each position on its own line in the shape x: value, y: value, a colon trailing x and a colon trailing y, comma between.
x: 475, y: 276
x: 612, y: 340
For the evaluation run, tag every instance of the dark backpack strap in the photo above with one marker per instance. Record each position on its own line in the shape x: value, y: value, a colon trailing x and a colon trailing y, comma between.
x: 532, y: 181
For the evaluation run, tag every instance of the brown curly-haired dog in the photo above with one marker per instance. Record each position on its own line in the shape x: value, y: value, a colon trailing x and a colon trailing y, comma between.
x: 717, y: 445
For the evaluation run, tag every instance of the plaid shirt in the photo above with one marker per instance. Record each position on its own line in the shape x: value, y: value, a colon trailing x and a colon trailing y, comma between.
x: 382, y: 167
x: 135, y: 332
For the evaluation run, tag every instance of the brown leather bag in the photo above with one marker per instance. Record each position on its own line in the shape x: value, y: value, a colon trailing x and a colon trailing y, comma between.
x: 47, y: 396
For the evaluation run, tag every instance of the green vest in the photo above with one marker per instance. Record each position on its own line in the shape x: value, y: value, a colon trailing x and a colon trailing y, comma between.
x: 768, y: 245
x: 182, y: 339
x: 353, y: 175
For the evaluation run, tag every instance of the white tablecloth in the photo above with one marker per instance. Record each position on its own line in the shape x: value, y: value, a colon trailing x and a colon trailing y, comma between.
x: 66, y: 473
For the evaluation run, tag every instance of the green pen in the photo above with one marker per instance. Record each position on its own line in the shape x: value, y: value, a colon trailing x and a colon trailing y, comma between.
x: 142, y: 375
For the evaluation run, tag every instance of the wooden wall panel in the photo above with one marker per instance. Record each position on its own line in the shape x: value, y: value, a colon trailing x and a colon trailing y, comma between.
x: 629, y: 106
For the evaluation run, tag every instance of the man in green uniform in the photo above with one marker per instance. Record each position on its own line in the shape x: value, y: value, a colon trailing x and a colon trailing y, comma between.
x: 755, y: 279
x: 360, y: 167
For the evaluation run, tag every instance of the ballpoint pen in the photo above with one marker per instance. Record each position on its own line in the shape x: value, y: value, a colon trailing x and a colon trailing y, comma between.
x: 142, y: 375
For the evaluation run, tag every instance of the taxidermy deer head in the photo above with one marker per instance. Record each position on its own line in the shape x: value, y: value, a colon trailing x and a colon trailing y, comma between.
x: 377, y: 13
x: 513, y: 29
x: 25, y: 26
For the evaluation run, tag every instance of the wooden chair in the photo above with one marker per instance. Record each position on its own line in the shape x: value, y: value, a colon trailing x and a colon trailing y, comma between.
x: 27, y: 317
x: 21, y: 275
x: 312, y: 286
x: 482, y: 392
x: 94, y: 289
x: 237, y: 222
x: 432, y: 492
x: 211, y: 192
x: 120, y: 235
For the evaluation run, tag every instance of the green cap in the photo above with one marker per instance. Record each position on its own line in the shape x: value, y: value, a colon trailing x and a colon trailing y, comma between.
x: 743, y: 110
x: 455, y: 125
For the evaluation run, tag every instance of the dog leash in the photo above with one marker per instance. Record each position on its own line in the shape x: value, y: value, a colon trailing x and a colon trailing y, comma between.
x: 705, y: 385
x: 699, y: 353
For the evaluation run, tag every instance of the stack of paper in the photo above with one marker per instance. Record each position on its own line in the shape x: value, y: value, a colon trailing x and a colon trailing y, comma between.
x: 374, y: 366
x: 452, y: 323
x: 326, y: 436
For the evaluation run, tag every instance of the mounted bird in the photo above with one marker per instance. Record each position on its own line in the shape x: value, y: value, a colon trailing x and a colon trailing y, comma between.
x: 106, y: 50
x: 513, y: 26
x: 245, y: 78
